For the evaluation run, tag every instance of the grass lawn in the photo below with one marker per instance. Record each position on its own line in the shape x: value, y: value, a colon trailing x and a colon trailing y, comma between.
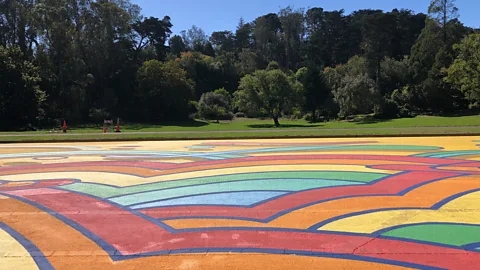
x: 248, y: 124
x: 256, y: 128
x: 253, y: 124
x: 245, y: 135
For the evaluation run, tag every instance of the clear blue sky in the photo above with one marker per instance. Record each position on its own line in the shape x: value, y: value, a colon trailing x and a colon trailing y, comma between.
x: 217, y: 15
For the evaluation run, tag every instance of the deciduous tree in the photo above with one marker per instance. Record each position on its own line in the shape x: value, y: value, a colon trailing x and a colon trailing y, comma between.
x: 465, y: 71
x: 271, y: 91
x: 21, y: 98
x: 316, y: 90
x: 164, y: 91
x: 353, y: 90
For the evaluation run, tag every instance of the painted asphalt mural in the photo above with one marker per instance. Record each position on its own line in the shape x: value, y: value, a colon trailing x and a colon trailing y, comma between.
x: 252, y: 204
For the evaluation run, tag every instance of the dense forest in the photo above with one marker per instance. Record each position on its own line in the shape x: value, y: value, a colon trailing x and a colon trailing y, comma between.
x: 88, y: 60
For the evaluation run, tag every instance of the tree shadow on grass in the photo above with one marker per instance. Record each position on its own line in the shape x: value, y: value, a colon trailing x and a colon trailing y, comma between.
x: 366, y: 119
x: 190, y: 123
x: 461, y: 113
x: 261, y: 126
x: 371, y: 121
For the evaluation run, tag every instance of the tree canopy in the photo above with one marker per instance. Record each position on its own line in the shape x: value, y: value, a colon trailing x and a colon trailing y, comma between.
x: 270, y: 92
x: 21, y: 98
x: 164, y: 90
x: 464, y: 73
x: 82, y: 60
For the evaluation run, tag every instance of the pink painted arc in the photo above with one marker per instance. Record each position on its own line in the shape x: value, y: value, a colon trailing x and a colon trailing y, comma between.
x: 131, y: 235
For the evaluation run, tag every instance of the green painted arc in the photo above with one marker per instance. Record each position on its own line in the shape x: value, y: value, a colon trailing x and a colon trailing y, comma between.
x: 251, y: 185
x: 104, y: 191
x: 390, y: 147
x: 342, y: 147
x: 450, y: 234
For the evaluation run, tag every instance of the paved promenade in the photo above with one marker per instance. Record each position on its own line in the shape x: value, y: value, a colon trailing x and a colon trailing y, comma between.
x: 370, y: 203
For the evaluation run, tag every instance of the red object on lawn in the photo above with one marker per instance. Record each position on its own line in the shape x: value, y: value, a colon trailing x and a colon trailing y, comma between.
x: 64, y: 126
x: 118, y: 125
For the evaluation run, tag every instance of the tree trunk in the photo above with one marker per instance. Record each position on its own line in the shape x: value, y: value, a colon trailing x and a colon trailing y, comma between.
x: 22, y: 42
x: 445, y: 20
x: 314, y: 115
x: 377, y: 76
x: 275, y: 120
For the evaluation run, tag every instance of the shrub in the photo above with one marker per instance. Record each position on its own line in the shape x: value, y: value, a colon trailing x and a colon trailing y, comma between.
x: 215, y: 105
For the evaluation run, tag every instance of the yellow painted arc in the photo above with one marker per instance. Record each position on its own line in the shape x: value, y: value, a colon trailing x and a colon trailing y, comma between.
x: 13, y: 255
x: 329, y: 152
x: 128, y: 180
x: 470, y: 201
x: 462, y: 210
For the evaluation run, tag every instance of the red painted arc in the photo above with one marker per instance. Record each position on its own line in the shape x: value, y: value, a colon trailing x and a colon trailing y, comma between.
x: 131, y: 234
x: 169, y: 166
x: 390, y: 186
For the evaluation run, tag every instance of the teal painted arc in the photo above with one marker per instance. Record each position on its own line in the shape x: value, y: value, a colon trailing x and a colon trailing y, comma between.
x: 200, y: 147
x: 244, y: 198
x: 104, y: 191
x: 251, y: 185
x: 449, y: 234
x: 449, y: 154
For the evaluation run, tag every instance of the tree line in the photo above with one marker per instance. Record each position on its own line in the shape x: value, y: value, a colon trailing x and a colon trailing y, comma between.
x: 87, y: 60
